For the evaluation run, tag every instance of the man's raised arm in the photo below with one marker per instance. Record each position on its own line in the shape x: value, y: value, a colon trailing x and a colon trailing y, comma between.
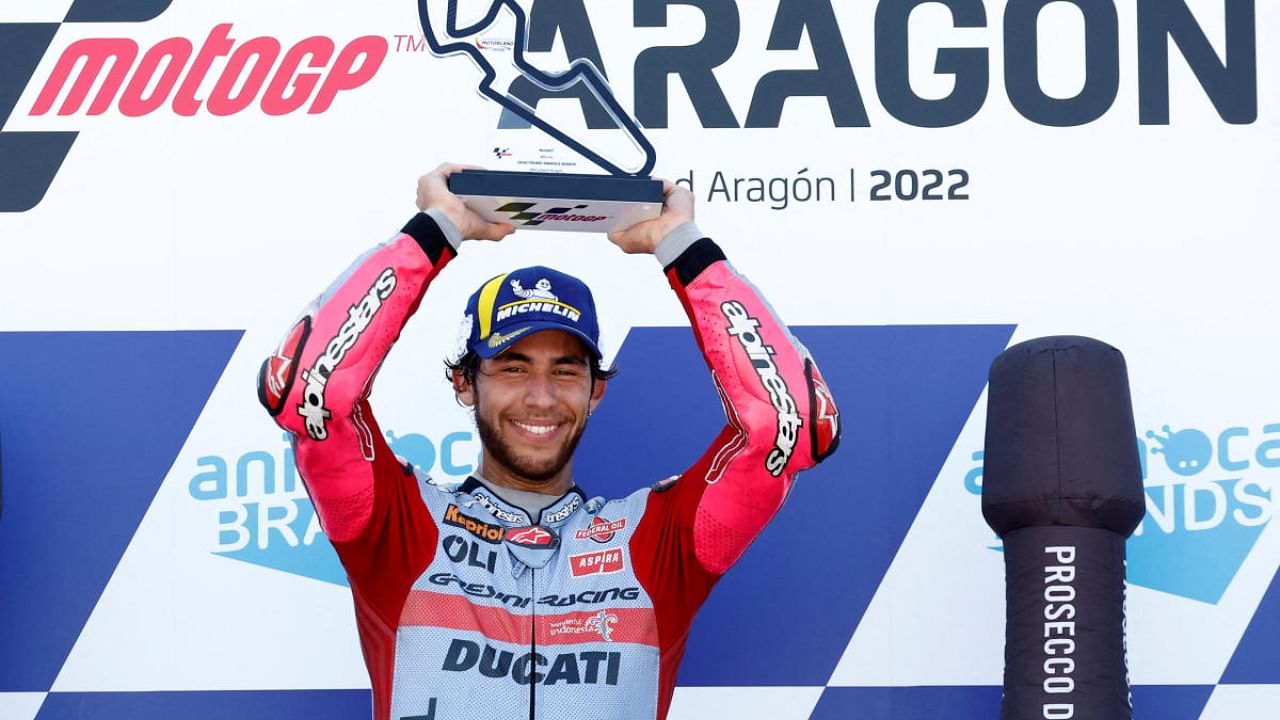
x: 317, y: 383
x: 780, y: 415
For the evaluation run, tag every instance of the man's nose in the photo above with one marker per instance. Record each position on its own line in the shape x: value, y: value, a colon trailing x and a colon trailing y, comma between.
x: 540, y: 391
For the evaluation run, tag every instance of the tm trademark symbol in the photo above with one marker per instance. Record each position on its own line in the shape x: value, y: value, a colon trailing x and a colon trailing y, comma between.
x: 409, y: 43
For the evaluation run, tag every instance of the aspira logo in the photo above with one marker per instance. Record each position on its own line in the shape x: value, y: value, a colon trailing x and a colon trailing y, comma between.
x: 1209, y: 495
x: 222, y: 77
x: 263, y: 515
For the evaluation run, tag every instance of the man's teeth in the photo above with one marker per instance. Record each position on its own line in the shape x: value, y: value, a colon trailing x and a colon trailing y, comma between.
x: 535, y: 429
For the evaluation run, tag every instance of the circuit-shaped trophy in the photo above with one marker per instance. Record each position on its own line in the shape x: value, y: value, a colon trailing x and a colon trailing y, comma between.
x: 540, y: 195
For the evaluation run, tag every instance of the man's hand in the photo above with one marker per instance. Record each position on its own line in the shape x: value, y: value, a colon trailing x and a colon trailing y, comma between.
x: 643, y: 237
x: 433, y: 192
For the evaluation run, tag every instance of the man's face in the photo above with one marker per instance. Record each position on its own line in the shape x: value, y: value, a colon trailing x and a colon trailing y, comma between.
x: 531, y: 404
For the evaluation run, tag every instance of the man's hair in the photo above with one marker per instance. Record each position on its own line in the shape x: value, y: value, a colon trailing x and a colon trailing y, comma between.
x: 469, y: 366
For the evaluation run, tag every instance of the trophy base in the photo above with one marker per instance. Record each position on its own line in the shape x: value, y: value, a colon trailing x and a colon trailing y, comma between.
x: 559, y: 201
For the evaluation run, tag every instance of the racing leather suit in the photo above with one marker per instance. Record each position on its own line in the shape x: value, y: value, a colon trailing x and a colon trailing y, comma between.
x: 468, y: 608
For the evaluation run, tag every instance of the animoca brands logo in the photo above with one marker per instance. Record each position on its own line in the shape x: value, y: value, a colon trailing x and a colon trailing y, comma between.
x: 219, y: 74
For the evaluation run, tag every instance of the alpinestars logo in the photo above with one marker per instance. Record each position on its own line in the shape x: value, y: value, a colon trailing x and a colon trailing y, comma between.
x: 359, y: 316
x: 487, y: 503
x: 533, y: 536
x: 564, y: 512
x: 746, y: 329
x: 522, y: 213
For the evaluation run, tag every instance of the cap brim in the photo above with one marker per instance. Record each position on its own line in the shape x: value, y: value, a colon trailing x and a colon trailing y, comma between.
x: 489, y: 349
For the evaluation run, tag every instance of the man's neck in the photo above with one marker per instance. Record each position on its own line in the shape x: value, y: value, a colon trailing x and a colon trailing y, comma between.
x: 533, y: 503
x: 498, y: 476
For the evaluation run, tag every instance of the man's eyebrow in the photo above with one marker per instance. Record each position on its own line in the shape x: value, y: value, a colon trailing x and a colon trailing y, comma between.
x: 513, y: 356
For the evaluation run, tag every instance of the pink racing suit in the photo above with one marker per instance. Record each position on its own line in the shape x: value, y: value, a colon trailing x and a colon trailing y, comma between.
x: 470, y: 609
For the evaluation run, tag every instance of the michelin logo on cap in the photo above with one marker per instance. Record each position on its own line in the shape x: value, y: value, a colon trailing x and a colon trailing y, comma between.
x: 539, y: 299
x: 541, y: 289
x: 521, y: 302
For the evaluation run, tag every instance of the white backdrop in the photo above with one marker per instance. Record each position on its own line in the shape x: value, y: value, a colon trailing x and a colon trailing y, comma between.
x: 1157, y: 238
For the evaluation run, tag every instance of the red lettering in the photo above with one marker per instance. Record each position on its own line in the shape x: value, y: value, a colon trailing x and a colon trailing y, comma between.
x: 600, y: 562
x: 95, y: 52
x: 369, y: 51
x: 176, y: 51
x: 264, y: 51
x: 304, y: 74
x: 215, y: 46
x: 318, y: 49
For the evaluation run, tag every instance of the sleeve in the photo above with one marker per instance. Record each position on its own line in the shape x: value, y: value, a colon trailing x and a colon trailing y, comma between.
x: 780, y: 415
x: 780, y: 419
x: 317, y: 383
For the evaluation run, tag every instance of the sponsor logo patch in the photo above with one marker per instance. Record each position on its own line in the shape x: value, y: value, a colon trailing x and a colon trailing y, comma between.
x: 524, y: 213
x: 537, y: 305
x: 532, y: 536
x: 564, y: 512
x: 585, y: 668
x: 497, y: 339
x: 279, y: 370
x: 487, y: 503
x: 600, y: 623
x: 825, y: 425
x: 481, y: 529
x: 600, y: 562
x: 540, y: 290
x: 601, y: 530
x: 586, y: 597
x: 462, y: 551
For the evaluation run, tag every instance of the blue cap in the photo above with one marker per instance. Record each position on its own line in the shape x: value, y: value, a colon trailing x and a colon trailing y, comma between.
x: 522, y: 302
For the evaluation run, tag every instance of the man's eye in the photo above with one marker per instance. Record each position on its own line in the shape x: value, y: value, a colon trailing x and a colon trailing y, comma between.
x: 513, y: 370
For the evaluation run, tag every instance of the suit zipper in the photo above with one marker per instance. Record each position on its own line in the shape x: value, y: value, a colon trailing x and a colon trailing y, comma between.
x: 533, y: 642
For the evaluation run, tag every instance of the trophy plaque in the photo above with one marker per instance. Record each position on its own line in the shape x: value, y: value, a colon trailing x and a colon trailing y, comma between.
x: 559, y: 201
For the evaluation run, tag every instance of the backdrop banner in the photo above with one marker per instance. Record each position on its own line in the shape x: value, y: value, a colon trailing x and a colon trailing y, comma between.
x: 916, y: 186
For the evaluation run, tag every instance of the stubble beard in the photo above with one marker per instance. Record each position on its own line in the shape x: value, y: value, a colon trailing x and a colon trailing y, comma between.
x: 524, y: 466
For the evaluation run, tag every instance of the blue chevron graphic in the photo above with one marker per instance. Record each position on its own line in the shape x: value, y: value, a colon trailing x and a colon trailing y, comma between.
x: 1167, y: 702
x: 904, y: 395
x: 245, y: 705
x: 92, y: 424
x: 1257, y: 657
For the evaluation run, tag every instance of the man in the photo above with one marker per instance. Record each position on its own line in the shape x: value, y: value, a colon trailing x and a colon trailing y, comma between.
x: 515, y: 595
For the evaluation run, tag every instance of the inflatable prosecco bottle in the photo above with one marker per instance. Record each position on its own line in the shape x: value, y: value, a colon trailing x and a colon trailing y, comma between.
x: 1062, y: 486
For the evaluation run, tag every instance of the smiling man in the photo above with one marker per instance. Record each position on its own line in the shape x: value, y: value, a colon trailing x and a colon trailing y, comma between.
x: 515, y: 594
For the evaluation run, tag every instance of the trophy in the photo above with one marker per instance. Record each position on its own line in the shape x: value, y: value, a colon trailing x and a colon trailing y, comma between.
x: 542, y: 197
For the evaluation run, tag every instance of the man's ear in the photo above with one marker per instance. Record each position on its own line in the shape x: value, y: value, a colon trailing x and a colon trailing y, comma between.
x: 597, y: 394
x: 463, y: 389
